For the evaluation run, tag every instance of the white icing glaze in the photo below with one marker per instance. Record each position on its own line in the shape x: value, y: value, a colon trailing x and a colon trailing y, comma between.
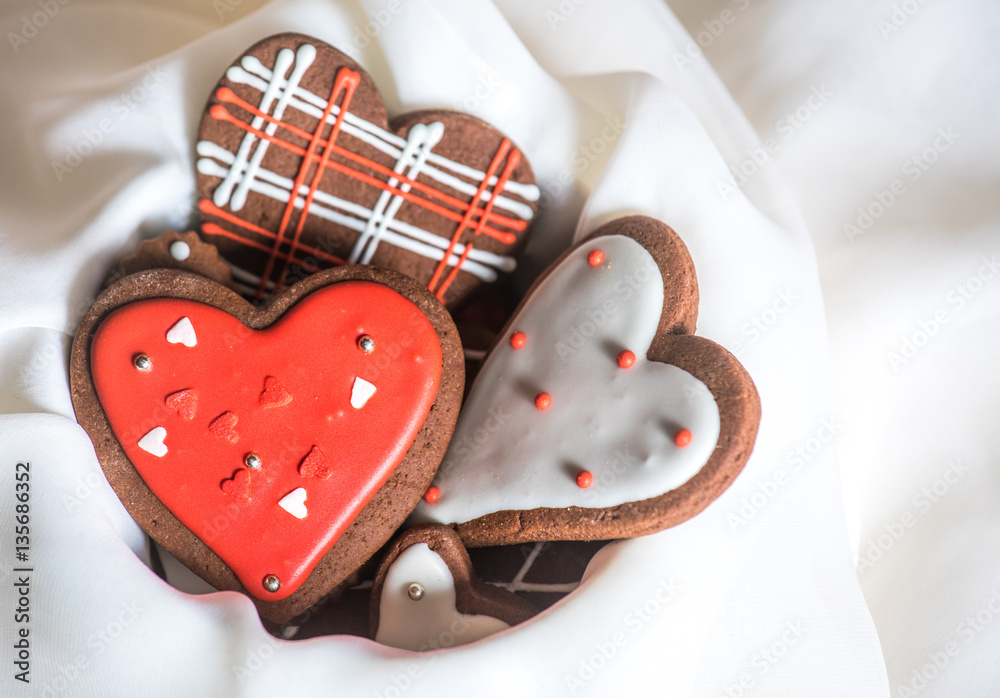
x: 433, y: 621
x: 180, y: 250
x: 617, y: 423
x: 152, y: 442
x: 182, y: 333
x: 361, y: 393
x: 295, y: 503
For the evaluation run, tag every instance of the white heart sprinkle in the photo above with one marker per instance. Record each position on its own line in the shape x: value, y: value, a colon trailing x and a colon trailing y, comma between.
x: 182, y: 333
x: 153, y: 442
x: 180, y: 250
x: 295, y: 503
x: 361, y: 393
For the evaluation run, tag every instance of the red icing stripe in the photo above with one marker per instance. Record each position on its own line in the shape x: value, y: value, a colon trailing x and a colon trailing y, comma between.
x: 226, y: 95
x: 219, y: 112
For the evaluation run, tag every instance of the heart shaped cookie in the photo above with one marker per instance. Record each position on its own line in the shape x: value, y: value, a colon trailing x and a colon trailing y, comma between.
x: 426, y: 595
x: 598, y: 414
x: 299, y: 169
x: 271, y: 450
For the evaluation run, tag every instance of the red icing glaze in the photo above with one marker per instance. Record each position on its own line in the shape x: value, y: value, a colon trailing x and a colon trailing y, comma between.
x: 315, y: 464
x: 518, y: 340
x: 184, y: 403
x: 275, y: 394
x: 682, y: 438
x: 238, y: 486
x: 543, y: 401
x: 224, y: 426
x: 584, y: 479
x: 595, y: 258
x: 432, y: 495
x: 313, y: 350
x: 626, y: 359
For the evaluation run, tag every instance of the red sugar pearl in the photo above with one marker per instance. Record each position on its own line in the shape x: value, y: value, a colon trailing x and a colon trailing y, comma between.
x: 432, y: 495
x: 543, y: 401
x: 626, y: 359
x: 517, y: 340
x: 595, y: 258
x: 584, y: 480
x: 682, y: 438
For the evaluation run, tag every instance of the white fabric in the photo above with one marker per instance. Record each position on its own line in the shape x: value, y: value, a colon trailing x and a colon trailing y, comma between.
x: 758, y: 595
x: 912, y: 293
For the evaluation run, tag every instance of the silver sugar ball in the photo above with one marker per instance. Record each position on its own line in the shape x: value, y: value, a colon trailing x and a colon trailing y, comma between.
x: 415, y: 592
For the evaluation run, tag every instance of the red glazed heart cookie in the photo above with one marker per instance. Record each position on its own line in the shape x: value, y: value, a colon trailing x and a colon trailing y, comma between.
x: 598, y: 414
x: 299, y: 168
x: 271, y: 449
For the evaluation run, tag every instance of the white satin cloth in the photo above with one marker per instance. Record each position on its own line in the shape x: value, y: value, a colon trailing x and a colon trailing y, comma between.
x: 620, y: 112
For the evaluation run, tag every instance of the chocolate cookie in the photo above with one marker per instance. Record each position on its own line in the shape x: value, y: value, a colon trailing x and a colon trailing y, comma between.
x: 271, y: 450
x: 173, y: 250
x: 438, y: 195
x: 426, y: 595
x: 598, y: 414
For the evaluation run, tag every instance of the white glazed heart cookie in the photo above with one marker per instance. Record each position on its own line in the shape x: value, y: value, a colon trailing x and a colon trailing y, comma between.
x: 598, y: 414
x: 426, y: 595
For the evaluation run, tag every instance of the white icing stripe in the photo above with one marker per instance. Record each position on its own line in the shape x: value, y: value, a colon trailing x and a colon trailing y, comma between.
x: 412, y: 238
x: 422, y: 138
x: 528, y: 192
x: 224, y: 191
x: 304, y: 58
x: 241, y: 275
x: 390, y: 144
